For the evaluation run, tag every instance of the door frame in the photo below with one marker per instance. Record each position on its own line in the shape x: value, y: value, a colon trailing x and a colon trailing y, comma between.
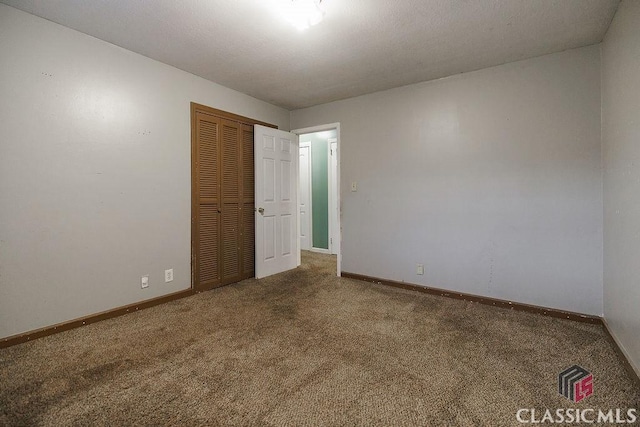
x: 310, y: 207
x: 320, y: 128
x: 310, y: 144
x: 333, y: 195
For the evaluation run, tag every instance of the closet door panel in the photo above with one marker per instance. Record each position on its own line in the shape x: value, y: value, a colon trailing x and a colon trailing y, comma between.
x: 231, y: 171
x: 208, y: 200
x: 248, y: 240
x: 248, y: 210
x: 209, y: 253
x: 230, y: 243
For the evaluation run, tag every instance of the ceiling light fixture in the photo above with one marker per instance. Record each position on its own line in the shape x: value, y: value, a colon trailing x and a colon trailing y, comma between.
x: 303, y: 14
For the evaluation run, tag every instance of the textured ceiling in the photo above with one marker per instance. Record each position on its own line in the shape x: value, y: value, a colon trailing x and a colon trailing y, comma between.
x: 362, y: 46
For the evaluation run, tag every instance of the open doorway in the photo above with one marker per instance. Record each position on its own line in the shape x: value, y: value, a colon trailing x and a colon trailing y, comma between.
x: 319, y: 195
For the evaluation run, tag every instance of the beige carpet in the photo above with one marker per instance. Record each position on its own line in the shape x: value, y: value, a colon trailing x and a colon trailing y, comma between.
x: 307, y: 348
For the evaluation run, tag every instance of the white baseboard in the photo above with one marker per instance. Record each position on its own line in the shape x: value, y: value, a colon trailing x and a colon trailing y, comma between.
x: 321, y: 251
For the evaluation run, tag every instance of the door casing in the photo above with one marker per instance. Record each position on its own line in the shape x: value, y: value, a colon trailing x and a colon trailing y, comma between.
x: 305, y: 199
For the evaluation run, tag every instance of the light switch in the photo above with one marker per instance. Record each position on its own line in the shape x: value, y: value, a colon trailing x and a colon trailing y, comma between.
x: 354, y: 186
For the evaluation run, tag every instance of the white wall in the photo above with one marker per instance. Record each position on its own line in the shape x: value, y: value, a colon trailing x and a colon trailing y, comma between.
x: 95, y: 165
x: 621, y: 159
x: 491, y: 179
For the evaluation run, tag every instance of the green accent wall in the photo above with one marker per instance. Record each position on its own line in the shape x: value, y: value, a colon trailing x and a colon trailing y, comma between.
x: 320, y: 186
x: 320, y: 193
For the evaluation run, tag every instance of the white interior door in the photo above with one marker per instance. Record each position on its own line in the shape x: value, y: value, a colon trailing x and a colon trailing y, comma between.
x: 305, y: 196
x: 334, y: 228
x: 276, y: 166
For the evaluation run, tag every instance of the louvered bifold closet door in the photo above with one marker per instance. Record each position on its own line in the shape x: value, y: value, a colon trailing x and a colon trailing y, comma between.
x: 223, y: 226
x: 231, y: 201
x: 208, y: 174
x: 248, y: 216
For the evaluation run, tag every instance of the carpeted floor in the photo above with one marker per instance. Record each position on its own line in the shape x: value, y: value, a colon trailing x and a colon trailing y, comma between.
x: 307, y: 348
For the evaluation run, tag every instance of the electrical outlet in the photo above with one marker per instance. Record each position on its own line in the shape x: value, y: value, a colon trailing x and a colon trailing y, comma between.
x: 168, y: 275
x: 420, y: 269
x: 144, y: 282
